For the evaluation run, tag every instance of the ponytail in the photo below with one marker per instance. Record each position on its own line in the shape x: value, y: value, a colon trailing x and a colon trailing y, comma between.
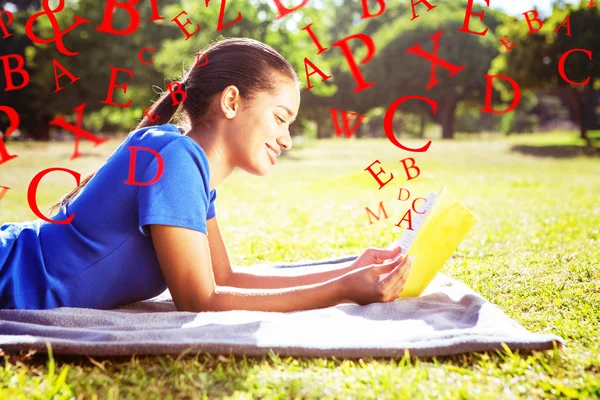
x: 163, y: 109
x: 250, y: 65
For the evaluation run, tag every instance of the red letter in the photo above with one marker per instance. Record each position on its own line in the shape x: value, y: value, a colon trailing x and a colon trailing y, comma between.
x: 77, y: 130
x: 112, y: 85
x: 283, y: 11
x: 347, y: 128
x: 567, y: 23
x: 220, y: 25
x: 429, y: 7
x: 343, y: 44
x: 530, y: 20
x: 488, y: 94
x: 32, y: 190
x: 187, y: 34
x: 308, y: 29
x: 140, y: 55
x: 198, y: 57
x: 155, y: 15
x: 3, y: 25
x: 151, y: 118
x: 561, y: 67
x: 434, y: 59
x: 9, y: 71
x: 316, y: 70
x: 389, y: 115
x: 367, y: 13
x: 406, y: 168
x: 409, y: 220
x: 468, y: 15
x: 369, y: 213
x: 65, y: 72
x: 507, y: 43
x: 13, y: 119
x: 413, y: 205
x: 131, y: 178
x: 400, y: 194
x: 6, y: 189
x: 109, y: 9
x: 381, y: 184
x: 178, y: 90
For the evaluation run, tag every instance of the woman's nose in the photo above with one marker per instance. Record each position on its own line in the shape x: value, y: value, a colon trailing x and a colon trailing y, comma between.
x: 285, y: 142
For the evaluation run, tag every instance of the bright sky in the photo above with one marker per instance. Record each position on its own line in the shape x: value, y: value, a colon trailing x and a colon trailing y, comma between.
x: 518, y: 7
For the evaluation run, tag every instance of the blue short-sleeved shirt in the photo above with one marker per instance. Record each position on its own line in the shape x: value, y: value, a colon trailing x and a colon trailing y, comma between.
x: 105, y: 257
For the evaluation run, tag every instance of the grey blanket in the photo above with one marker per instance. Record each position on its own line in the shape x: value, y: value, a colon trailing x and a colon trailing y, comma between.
x: 448, y: 318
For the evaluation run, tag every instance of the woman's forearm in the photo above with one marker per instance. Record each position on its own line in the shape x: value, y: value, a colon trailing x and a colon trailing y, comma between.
x: 320, y: 295
x: 255, y: 281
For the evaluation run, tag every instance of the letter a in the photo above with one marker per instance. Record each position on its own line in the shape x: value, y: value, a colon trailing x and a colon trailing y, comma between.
x: 414, y: 4
x: 3, y: 192
x: 316, y: 70
x: 66, y: 72
x: 408, y: 218
x: 567, y: 24
x: 14, y: 120
x: 131, y: 178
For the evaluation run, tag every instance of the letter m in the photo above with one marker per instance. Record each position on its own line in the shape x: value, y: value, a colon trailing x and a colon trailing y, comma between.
x: 377, y: 217
x: 346, y: 123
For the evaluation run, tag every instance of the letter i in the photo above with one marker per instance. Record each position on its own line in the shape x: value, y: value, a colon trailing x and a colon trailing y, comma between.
x: 314, y: 38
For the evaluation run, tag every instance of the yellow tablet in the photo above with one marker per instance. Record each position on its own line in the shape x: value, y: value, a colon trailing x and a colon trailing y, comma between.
x: 435, y: 236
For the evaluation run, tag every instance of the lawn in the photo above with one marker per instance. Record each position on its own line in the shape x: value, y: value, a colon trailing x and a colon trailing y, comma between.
x: 534, y: 252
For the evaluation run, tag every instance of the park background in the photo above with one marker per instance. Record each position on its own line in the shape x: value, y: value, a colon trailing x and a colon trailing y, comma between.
x: 531, y: 176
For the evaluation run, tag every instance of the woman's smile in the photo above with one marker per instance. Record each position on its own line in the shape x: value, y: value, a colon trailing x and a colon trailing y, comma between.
x: 272, y: 154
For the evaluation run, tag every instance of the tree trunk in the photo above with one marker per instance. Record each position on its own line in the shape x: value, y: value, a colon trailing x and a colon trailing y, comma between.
x: 41, y: 129
x: 580, y: 102
x: 446, y: 114
x: 422, y: 127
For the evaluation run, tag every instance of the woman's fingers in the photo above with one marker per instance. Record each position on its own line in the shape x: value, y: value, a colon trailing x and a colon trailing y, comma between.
x: 380, y: 255
x: 399, y: 285
x: 386, y: 268
x: 398, y: 271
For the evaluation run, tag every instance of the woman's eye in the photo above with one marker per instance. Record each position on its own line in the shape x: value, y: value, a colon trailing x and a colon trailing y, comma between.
x: 279, y: 120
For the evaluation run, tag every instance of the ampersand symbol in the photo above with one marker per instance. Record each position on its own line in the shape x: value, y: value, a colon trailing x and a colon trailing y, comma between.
x: 58, y: 34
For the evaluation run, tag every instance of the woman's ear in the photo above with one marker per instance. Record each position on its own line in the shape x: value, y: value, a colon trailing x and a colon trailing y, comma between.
x: 230, y: 99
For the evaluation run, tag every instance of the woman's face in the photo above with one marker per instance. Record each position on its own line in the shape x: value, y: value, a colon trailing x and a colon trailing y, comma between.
x: 261, y: 127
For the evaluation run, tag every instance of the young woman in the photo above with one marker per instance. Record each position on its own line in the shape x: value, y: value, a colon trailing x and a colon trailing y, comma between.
x: 129, y: 242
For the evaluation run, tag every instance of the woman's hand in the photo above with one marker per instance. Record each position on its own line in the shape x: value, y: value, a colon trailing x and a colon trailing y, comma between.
x: 377, y: 283
x: 374, y: 255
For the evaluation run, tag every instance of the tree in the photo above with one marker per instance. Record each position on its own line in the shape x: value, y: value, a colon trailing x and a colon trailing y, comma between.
x: 534, y: 61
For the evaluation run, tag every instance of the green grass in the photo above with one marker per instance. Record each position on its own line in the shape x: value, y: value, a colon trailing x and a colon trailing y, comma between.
x: 535, y: 253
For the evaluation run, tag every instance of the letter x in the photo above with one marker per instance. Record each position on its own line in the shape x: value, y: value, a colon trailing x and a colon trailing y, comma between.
x: 434, y: 59
x: 77, y: 130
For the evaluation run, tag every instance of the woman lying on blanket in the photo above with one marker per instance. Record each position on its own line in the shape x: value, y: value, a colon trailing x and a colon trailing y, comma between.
x: 132, y: 237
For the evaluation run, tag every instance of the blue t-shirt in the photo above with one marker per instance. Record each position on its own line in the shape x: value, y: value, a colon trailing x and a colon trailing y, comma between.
x: 105, y: 257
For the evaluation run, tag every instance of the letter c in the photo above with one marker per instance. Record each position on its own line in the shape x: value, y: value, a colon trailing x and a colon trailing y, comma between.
x: 389, y: 115
x: 142, y: 51
x: 561, y: 66
x: 32, y: 190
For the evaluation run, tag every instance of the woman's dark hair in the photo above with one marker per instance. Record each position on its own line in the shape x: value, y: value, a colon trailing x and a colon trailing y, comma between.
x: 250, y: 65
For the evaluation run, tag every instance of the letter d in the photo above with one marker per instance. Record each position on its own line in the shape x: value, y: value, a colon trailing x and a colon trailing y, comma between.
x: 131, y: 178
